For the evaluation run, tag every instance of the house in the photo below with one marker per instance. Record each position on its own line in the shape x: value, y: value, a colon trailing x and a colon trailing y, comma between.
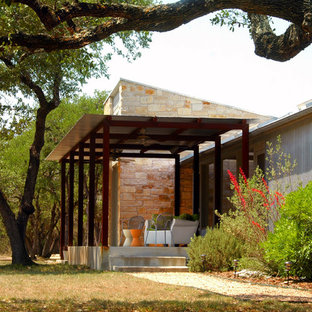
x: 139, y: 141
x: 295, y: 130
x: 146, y: 186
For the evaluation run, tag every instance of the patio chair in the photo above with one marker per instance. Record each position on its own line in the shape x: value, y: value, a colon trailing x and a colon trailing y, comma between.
x: 134, y: 223
x: 157, y: 230
x: 182, y: 231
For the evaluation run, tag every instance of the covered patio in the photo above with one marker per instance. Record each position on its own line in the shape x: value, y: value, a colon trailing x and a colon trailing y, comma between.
x: 97, y: 139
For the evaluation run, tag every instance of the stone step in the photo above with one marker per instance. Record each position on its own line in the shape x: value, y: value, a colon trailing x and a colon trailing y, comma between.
x: 146, y: 261
x: 125, y: 268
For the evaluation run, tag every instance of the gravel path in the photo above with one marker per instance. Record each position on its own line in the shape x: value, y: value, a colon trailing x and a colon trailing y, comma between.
x: 242, y: 290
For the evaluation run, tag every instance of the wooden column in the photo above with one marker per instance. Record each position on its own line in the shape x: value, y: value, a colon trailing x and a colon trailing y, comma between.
x: 217, y: 176
x: 245, y: 149
x: 71, y: 199
x: 91, y: 191
x: 177, y: 199
x: 105, y: 186
x: 80, y: 194
x: 63, y: 208
x: 196, y: 180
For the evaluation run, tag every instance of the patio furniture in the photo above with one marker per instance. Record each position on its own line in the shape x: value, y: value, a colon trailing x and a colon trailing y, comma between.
x: 134, y: 223
x: 157, y: 230
x: 128, y: 238
x: 136, y: 233
x: 179, y: 232
x: 182, y: 231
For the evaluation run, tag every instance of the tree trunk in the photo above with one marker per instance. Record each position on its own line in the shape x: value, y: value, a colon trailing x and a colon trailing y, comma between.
x: 19, y: 252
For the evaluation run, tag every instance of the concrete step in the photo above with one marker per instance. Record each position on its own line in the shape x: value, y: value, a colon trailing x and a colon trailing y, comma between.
x: 125, y: 268
x: 148, y: 251
x: 145, y: 261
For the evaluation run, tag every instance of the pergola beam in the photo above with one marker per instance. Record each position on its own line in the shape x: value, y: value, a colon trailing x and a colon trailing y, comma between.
x: 217, y: 176
x: 177, y: 191
x: 175, y: 125
x: 63, y: 208
x: 91, y: 192
x: 105, y: 186
x: 71, y: 200
x: 196, y: 180
x: 80, y: 194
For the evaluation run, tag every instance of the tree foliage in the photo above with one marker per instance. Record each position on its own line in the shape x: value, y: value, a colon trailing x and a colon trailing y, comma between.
x: 292, y: 236
x: 74, y: 24
x: 42, y: 233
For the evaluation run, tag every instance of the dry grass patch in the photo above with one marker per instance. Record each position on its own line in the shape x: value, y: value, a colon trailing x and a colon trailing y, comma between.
x: 56, y: 282
x: 55, y: 288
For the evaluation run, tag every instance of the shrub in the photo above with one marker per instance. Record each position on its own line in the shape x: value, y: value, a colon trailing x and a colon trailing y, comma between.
x: 292, y: 237
x: 220, y: 248
x: 255, y: 209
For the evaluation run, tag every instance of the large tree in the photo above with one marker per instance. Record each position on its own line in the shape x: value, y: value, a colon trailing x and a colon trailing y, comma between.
x: 74, y: 24
x: 42, y: 233
x: 46, y: 77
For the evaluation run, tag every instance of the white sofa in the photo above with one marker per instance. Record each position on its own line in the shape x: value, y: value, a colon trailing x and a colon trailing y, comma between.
x: 180, y: 232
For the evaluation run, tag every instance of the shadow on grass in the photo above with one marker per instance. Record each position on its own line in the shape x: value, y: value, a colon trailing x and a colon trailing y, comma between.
x: 149, y: 306
x: 53, y: 269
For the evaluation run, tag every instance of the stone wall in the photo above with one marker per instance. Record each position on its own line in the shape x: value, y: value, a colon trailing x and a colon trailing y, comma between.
x: 146, y: 187
x: 130, y: 98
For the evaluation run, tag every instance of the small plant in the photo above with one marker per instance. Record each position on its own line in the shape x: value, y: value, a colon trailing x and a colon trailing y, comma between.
x: 219, y: 248
x: 292, y: 236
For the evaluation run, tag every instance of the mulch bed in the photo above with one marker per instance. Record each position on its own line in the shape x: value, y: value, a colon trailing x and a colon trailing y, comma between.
x: 294, y: 282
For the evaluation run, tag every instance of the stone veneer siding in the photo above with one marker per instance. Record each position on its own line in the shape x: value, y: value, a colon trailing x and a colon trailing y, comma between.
x: 146, y: 187
x: 130, y: 98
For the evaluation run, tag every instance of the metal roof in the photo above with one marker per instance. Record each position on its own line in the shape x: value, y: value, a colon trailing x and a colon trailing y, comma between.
x: 145, y: 136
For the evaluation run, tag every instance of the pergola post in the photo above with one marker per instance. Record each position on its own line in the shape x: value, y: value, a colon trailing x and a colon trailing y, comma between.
x: 105, y: 186
x: 63, y: 208
x: 177, y: 199
x: 91, y: 191
x: 71, y: 199
x: 245, y: 149
x: 80, y: 194
x: 196, y: 180
x: 217, y: 175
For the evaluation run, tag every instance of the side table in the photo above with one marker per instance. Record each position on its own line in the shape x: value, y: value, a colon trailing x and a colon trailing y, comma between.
x: 136, y: 237
x: 128, y: 236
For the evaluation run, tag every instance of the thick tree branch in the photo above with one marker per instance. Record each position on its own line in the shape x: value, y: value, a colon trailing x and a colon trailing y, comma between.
x: 279, y: 48
x: 124, y: 17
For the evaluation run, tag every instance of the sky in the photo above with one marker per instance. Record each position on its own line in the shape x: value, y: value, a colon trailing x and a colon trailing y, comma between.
x: 214, y: 64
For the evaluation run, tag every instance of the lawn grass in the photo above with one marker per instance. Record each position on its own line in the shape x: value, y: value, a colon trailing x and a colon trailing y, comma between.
x: 77, y: 288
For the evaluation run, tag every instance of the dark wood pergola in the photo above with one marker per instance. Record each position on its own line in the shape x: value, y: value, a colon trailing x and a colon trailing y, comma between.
x: 97, y: 138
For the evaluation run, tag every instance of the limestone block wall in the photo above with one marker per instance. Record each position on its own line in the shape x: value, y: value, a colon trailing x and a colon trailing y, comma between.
x: 146, y: 187
x: 130, y: 98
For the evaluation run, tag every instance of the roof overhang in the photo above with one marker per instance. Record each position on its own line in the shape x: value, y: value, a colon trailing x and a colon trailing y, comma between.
x: 141, y: 136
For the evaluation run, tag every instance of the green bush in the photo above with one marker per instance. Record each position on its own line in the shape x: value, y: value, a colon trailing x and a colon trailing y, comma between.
x: 219, y: 247
x: 292, y: 237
